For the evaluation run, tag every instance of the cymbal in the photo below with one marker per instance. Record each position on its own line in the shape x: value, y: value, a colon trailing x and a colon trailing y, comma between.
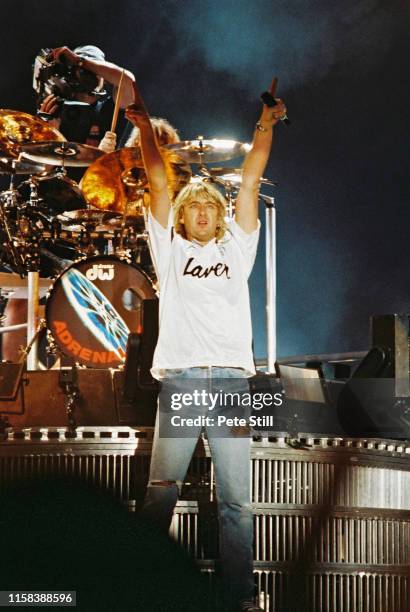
x: 55, y: 153
x: 12, y: 165
x: 206, y: 151
x: 117, y: 181
x: 87, y: 216
x: 231, y: 176
x: 17, y: 129
x: 136, y: 222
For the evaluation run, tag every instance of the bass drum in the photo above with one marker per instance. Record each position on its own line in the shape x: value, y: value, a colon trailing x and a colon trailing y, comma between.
x: 93, y: 306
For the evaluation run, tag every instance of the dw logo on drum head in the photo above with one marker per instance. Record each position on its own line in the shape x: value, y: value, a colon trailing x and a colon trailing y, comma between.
x: 100, y: 271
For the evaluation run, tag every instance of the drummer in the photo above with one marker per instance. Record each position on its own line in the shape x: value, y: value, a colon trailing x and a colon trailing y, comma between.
x: 89, y: 121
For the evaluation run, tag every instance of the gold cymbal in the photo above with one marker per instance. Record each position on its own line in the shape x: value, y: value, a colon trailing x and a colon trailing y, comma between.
x: 202, y: 151
x: 117, y: 181
x: 18, y: 129
x: 70, y: 154
x: 12, y: 165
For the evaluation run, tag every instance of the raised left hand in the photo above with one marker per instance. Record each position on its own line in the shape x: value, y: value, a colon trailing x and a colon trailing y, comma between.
x: 272, y: 114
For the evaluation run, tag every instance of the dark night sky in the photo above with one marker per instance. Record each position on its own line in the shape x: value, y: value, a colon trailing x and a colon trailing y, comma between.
x: 343, y: 205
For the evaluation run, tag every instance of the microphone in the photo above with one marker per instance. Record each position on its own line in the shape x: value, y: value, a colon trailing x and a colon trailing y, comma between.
x: 270, y: 101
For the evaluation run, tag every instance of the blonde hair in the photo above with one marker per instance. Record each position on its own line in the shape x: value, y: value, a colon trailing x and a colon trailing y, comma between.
x: 165, y: 133
x: 199, y: 191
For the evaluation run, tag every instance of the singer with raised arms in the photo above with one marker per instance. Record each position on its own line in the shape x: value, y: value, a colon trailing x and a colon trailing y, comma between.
x: 203, y: 262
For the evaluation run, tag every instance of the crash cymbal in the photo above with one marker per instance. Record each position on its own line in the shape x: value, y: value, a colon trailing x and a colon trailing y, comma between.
x: 17, y: 129
x: 11, y: 165
x: 117, y: 181
x: 88, y: 216
x: 55, y: 153
x: 232, y: 176
x: 202, y: 151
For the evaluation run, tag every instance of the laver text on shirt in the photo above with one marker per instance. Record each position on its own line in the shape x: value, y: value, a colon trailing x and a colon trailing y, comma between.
x: 218, y: 269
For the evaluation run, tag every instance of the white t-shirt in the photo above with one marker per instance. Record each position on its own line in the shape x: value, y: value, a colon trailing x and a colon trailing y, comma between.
x: 204, y: 309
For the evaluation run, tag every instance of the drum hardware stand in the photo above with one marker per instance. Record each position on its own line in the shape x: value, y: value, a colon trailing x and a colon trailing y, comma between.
x: 231, y: 191
x: 229, y: 188
x: 68, y: 381
x: 85, y: 241
x: 123, y: 224
x: 10, y: 328
x: 32, y: 265
x: 32, y: 317
x: 200, y: 153
x: 31, y: 344
x: 52, y: 348
x: 33, y: 197
x: 64, y: 151
x: 137, y: 242
x: 16, y: 256
x: 59, y: 172
x: 270, y: 237
x: 229, y: 194
x: 13, y: 175
x: 121, y: 251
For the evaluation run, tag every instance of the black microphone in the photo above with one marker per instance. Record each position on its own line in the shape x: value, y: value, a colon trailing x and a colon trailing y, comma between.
x: 270, y: 101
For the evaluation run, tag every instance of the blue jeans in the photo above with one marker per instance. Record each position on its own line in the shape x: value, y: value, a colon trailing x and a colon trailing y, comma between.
x: 231, y: 458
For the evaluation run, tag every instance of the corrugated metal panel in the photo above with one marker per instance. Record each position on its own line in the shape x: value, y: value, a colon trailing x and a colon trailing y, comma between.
x: 339, y: 515
x: 283, y: 481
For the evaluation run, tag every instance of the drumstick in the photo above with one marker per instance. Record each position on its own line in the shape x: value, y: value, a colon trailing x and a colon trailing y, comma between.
x: 117, y: 104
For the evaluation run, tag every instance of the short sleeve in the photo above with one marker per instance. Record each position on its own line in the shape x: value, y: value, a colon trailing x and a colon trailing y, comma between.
x: 160, y: 242
x: 247, y: 243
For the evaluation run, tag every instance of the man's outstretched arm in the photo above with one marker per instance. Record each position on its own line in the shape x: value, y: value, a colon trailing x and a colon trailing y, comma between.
x: 246, y: 210
x: 153, y: 162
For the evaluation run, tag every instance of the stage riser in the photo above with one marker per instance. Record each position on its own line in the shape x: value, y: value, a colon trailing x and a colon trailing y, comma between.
x: 273, y: 481
x: 278, y: 537
x: 345, y: 528
x: 42, y: 399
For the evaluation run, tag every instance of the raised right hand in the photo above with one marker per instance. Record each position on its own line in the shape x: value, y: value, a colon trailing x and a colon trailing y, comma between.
x: 136, y: 114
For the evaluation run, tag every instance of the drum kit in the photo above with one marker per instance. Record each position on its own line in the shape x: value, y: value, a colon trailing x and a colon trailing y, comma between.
x: 89, y: 240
